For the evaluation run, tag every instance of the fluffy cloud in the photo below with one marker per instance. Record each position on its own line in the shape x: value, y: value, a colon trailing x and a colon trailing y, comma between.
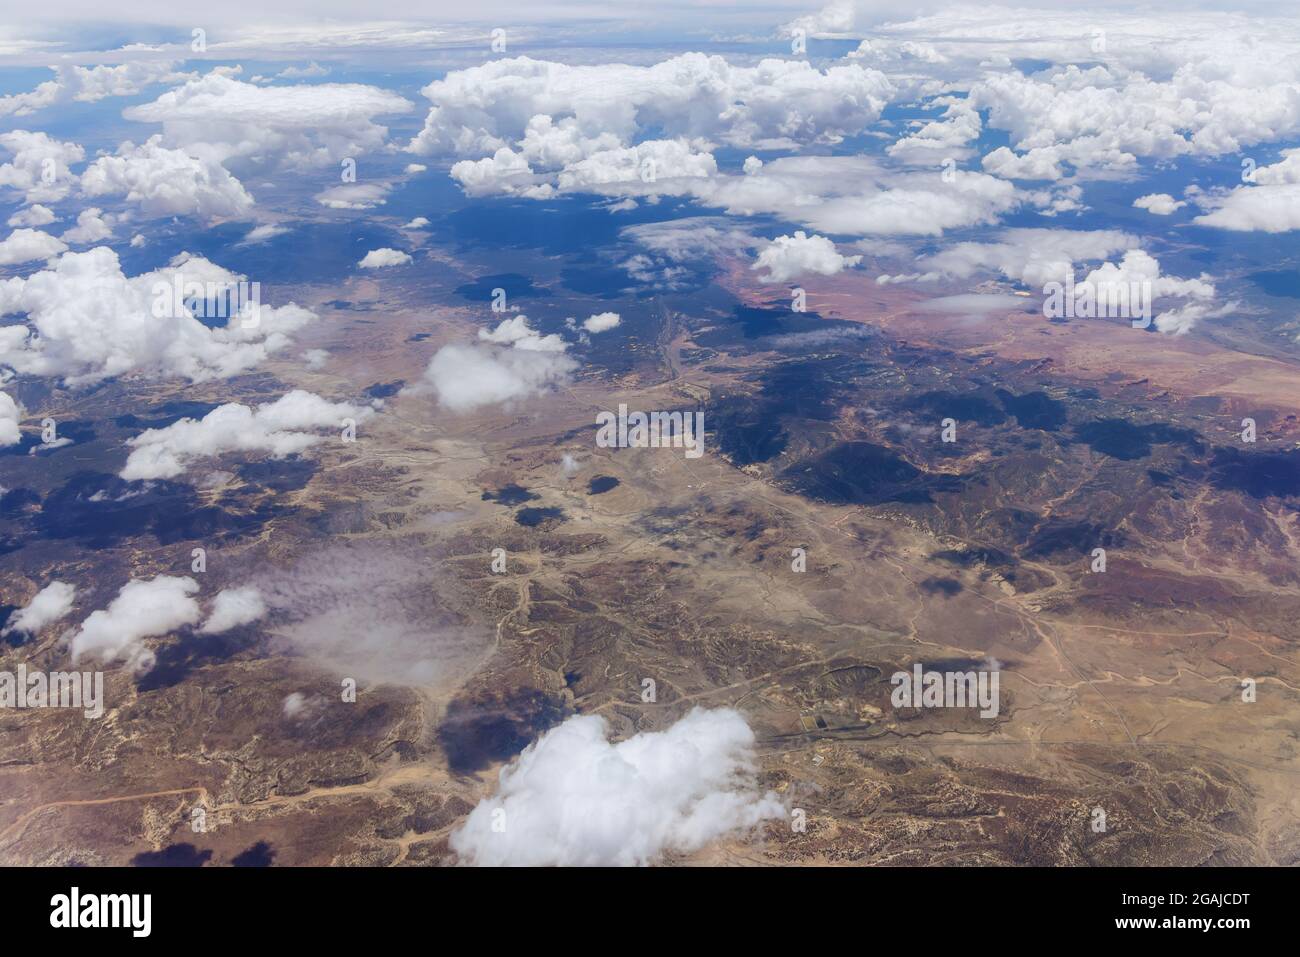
x: 572, y: 798
x: 49, y: 605
x: 1140, y: 267
x: 1181, y: 319
x: 931, y: 144
x: 556, y: 145
x: 378, y: 258
x: 465, y: 378
x: 1271, y: 204
x: 28, y: 245
x: 902, y: 59
x: 40, y: 165
x: 504, y: 172
x: 516, y: 332
x: 92, y: 227
x: 1285, y: 170
x: 89, y: 84
x: 1105, y: 117
x: 658, y: 162
x: 483, y: 108
x: 833, y: 20
x: 1160, y: 204
x: 232, y: 608
x: 601, y: 322
x: 86, y: 321
x: 538, y: 127
x: 142, y: 609
x: 1117, y: 87
x: 36, y: 215
x: 788, y: 257
x: 284, y: 427
x: 221, y: 119
x: 166, y: 182
x: 1123, y: 86
x: 534, y: 128
x: 11, y: 414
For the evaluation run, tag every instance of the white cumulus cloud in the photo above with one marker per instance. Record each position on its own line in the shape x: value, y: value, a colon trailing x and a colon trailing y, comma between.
x: 92, y: 227
x: 1159, y: 204
x: 35, y: 215
x: 505, y: 172
x: 142, y: 609
x: 40, y: 166
x: 11, y: 414
x: 287, y: 426
x: 516, y: 332
x: 573, y: 798
x: 166, y: 182
x: 601, y: 322
x: 378, y: 258
x: 468, y: 377
x: 1268, y: 206
x: 788, y: 257
x: 48, y: 605
x: 778, y: 101
x: 86, y: 321
x: 29, y: 245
